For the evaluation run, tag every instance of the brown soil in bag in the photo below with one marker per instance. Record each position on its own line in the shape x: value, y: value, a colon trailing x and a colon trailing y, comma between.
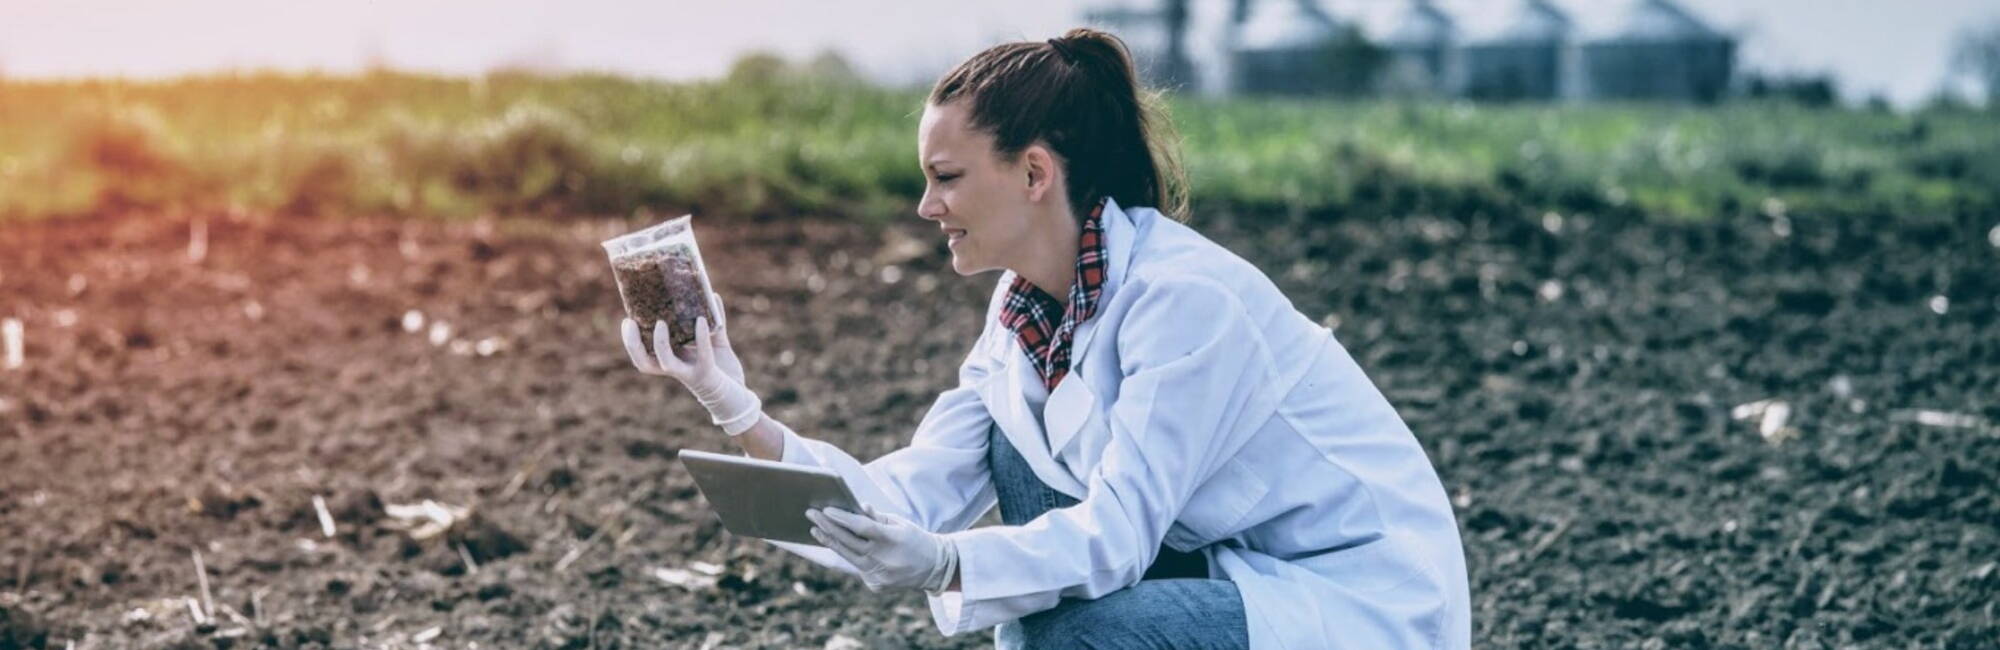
x: 663, y: 285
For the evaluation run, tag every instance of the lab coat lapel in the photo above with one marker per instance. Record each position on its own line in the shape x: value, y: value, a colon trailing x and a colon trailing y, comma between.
x: 1068, y: 408
x: 1119, y: 231
x: 1005, y: 394
x: 1074, y: 401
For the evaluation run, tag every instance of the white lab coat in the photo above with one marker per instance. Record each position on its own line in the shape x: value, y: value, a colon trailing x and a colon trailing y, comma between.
x: 1203, y: 411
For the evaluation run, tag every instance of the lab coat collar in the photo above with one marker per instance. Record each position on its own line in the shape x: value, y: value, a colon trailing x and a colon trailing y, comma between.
x: 1119, y: 232
x: 1074, y: 401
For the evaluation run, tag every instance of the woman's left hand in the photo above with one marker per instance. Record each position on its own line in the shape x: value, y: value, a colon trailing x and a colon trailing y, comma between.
x: 890, y: 551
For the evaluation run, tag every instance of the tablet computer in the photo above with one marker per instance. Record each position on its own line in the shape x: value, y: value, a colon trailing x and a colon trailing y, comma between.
x: 766, y: 499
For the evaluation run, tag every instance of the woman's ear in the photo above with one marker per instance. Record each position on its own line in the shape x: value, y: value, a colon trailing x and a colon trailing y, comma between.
x: 1042, y: 170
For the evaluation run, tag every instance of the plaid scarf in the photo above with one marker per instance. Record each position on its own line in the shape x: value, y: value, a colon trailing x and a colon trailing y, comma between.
x: 1033, y: 314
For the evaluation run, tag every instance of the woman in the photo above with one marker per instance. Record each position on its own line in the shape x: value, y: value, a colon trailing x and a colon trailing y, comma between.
x: 1180, y: 458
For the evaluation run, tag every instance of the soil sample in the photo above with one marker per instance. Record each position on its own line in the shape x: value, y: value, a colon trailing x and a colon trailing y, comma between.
x: 661, y: 278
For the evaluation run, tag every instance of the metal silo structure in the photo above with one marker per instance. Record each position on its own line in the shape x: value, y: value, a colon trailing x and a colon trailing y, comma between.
x: 1422, y: 54
x: 1661, y: 53
x: 1294, y: 47
x: 1529, y: 59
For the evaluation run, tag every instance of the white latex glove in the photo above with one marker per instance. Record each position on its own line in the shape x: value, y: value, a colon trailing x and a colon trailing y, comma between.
x: 890, y: 551
x: 730, y: 404
x: 725, y: 355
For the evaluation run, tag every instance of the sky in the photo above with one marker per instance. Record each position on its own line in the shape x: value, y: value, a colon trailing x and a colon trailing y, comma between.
x: 1895, y: 48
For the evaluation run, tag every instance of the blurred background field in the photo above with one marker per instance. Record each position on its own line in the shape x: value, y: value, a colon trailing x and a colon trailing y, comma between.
x: 775, y: 138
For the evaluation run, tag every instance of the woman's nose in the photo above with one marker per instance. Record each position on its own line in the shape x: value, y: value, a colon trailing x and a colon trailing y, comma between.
x: 930, y: 207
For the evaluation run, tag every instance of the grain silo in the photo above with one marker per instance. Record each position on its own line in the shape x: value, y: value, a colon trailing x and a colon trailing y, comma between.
x: 1422, y: 59
x: 1294, y: 47
x: 1529, y: 59
x: 1661, y: 53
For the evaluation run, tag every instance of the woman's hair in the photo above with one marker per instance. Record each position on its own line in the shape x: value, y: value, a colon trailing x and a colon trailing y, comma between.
x: 1079, y: 94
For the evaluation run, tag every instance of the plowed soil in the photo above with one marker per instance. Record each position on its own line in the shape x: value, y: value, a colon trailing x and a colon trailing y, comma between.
x: 1574, y: 380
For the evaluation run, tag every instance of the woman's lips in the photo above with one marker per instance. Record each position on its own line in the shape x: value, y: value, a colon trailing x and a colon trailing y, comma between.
x: 952, y: 235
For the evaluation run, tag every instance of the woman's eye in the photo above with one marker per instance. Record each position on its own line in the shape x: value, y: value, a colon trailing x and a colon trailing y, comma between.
x: 945, y: 178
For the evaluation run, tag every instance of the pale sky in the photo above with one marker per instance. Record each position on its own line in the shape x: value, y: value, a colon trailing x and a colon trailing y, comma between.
x: 1898, y: 48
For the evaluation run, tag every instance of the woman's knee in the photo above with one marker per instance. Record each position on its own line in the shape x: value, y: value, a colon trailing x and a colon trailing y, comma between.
x: 1075, y: 624
x: 1151, y: 614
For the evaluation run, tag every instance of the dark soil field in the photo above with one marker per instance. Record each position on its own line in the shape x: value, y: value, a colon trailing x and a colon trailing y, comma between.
x: 1577, y: 381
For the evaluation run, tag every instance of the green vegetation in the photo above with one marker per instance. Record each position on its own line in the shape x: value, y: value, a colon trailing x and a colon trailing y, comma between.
x: 776, y: 139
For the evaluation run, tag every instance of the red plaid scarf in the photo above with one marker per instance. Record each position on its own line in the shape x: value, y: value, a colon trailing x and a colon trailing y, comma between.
x: 1032, y: 313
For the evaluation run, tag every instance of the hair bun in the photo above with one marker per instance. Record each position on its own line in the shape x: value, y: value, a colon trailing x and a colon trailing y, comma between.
x: 1063, y: 48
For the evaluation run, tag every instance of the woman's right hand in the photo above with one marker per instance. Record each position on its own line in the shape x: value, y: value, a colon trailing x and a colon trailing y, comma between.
x: 719, y: 349
x: 725, y: 354
x: 701, y: 370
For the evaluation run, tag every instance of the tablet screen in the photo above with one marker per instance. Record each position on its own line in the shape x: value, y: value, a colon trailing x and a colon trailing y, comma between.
x: 766, y: 499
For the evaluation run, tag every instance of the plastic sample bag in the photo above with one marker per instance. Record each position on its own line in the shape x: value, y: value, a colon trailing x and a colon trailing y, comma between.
x: 661, y: 278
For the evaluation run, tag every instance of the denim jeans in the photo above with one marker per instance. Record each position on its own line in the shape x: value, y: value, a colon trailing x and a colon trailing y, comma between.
x: 1175, y: 605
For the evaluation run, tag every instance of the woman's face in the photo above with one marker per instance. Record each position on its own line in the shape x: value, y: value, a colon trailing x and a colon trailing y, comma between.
x: 981, y: 202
